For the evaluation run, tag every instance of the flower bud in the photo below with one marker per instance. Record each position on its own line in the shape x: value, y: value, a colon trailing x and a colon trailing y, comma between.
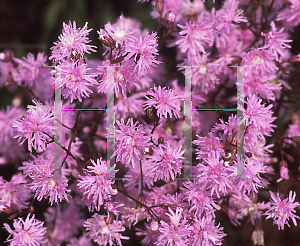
x: 161, y: 140
x: 148, y: 151
x: 107, y: 40
x: 159, y: 6
x: 248, y: 154
x: 284, y: 171
x: 169, y: 20
x: 258, y: 236
x: 294, y: 59
x: 75, y: 56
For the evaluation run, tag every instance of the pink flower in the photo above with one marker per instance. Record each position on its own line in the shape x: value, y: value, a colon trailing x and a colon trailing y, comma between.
x: 176, y: 232
x: 195, y: 36
x: 7, y: 118
x: 76, y: 80
x: 30, y: 69
x: 199, y: 199
x: 14, y: 193
x: 123, y: 29
x: 252, y: 180
x: 130, y: 142
x: 164, y: 100
x: 124, y: 77
x: 35, y: 126
x: 96, y: 185
x: 27, y: 233
x: 291, y: 14
x: 81, y: 241
x: 205, y: 74
x: 205, y: 232
x: 282, y: 210
x: 71, y: 39
x: 276, y: 40
x: 205, y: 145
x: 104, y: 232
x: 144, y: 50
x: 65, y: 222
x: 167, y: 161
x: 263, y: 86
x: 258, y: 115
x: 260, y: 62
x: 228, y: 14
x: 213, y: 175
x: 45, y: 181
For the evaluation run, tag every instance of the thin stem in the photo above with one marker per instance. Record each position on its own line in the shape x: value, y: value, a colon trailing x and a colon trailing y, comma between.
x: 265, y: 13
x: 63, y: 124
x: 75, y: 127
x: 142, y: 181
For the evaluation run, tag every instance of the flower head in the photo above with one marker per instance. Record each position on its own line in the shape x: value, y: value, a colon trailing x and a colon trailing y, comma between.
x: 228, y: 14
x: 164, y: 100
x: 45, y: 181
x: 282, y: 210
x: 260, y: 62
x: 30, y: 68
x: 14, y: 193
x: 176, y: 231
x: 258, y: 115
x: 36, y: 126
x: 27, y: 233
x: 71, y: 39
x: 130, y: 142
x: 76, y: 80
x: 167, y: 161
x: 95, y: 184
x: 276, y: 40
x: 103, y: 232
x: 195, y: 36
x: 205, y: 232
x: 144, y: 50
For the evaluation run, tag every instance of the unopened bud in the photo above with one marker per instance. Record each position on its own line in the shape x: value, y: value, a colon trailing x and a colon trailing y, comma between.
x: 169, y: 20
x: 107, y: 40
x: 258, y: 237
x: 284, y: 171
x: 234, y: 60
x: 159, y: 6
x: 148, y: 151
x: 7, y: 209
x: 154, y: 225
x: 296, y: 139
x: 75, y: 56
x: 285, y: 71
x: 294, y: 59
x: 150, y: 113
x: 248, y: 154
x: 161, y: 140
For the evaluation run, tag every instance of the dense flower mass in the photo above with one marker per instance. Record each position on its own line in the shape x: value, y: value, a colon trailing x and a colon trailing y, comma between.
x: 164, y: 100
x: 173, y: 134
x: 37, y: 127
x: 143, y: 50
x: 76, y: 80
x: 26, y: 233
x: 283, y: 210
x: 71, y: 40
x: 96, y: 184
x: 102, y: 232
x: 130, y: 142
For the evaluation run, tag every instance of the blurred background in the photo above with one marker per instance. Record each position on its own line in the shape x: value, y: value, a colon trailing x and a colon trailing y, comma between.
x: 33, y: 26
